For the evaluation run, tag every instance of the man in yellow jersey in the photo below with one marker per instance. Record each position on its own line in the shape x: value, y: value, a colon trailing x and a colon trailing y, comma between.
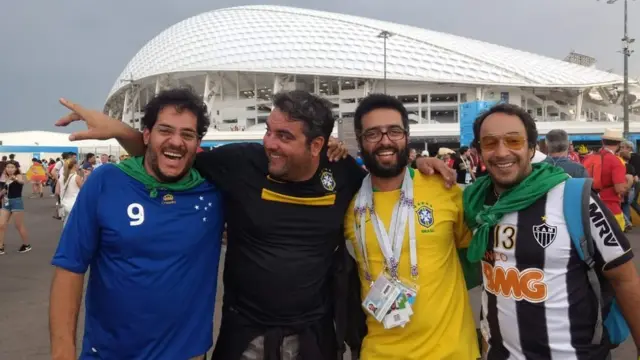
x: 418, y: 308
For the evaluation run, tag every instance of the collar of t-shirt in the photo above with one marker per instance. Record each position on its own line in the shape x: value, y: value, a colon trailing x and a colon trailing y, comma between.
x: 412, y: 173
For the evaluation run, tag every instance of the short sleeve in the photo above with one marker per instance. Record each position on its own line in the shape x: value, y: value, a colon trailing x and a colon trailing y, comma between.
x: 216, y: 165
x: 611, y: 245
x: 618, y: 172
x: 349, y: 230
x: 461, y: 231
x: 81, y: 233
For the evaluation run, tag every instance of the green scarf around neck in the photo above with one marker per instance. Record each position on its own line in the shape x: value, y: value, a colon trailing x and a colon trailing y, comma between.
x: 134, y: 167
x: 480, y: 218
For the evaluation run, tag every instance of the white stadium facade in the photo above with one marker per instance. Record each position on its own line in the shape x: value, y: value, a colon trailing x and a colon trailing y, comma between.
x: 236, y: 58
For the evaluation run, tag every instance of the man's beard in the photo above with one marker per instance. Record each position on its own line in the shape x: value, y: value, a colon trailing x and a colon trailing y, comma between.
x: 402, y: 160
x: 155, y: 167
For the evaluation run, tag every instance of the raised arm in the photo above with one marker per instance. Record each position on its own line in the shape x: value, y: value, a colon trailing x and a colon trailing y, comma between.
x: 101, y: 127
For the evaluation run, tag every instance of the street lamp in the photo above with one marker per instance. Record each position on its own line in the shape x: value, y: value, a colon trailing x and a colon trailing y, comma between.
x: 626, y: 53
x: 385, y: 35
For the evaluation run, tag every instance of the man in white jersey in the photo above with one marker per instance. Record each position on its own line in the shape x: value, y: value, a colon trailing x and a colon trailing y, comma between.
x: 539, y: 300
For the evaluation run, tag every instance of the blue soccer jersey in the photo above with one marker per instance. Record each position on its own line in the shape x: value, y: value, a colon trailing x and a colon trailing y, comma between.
x: 153, y: 266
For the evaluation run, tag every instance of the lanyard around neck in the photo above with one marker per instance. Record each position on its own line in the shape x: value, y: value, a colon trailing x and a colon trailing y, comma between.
x: 390, y: 243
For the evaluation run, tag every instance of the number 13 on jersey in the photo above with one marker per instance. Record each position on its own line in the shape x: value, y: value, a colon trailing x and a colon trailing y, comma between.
x: 135, y: 212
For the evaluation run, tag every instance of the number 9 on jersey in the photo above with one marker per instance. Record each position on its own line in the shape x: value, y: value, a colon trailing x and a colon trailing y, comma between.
x: 135, y: 212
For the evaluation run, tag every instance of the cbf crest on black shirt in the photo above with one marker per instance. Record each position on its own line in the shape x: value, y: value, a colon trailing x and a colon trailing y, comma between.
x: 281, y: 235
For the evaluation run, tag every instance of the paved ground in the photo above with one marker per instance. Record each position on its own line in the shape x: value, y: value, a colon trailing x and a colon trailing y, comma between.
x: 25, y: 279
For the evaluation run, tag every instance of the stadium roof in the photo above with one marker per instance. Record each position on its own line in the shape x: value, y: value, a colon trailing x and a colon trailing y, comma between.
x: 277, y: 39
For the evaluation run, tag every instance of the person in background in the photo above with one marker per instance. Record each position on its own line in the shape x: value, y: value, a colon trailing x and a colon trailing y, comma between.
x: 538, y: 156
x: 12, y: 157
x: 626, y: 148
x: 71, y: 184
x: 558, y: 146
x: 104, y: 159
x: 444, y: 154
x: 87, y: 169
x: 36, y: 184
x: 3, y: 177
x: 13, y: 205
x: 413, y: 154
x: 635, y: 162
x: 50, y: 174
x: 90, y: 159
x: 58, y: 173
x: 613, y: 172
x: 463, y: 167
x: 572, y: 154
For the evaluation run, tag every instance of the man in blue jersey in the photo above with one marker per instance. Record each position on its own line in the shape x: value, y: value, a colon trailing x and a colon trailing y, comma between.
x: 149, y: 229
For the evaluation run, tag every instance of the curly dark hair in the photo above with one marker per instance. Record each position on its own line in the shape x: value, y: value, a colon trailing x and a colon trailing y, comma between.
x: 314, y: 112
x: 508, y: 109
x: 182, y: 99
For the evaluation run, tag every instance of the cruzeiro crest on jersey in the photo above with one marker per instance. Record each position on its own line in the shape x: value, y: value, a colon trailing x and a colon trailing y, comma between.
x: 327, y: 180
x: 424, y: 212
x: 544, y: 233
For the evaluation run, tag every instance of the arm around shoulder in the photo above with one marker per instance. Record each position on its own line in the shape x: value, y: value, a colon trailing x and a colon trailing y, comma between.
x: 216, y: 163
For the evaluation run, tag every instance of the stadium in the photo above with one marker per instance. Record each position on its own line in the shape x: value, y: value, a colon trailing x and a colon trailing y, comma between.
x: 236, y: 58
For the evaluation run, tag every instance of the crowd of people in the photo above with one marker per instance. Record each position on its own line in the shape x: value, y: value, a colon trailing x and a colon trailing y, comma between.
x: 322, y: 254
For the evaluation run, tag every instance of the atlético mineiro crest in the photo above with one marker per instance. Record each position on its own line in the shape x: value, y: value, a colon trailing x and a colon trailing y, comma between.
x: 327, y: 180
x: 545, y: 234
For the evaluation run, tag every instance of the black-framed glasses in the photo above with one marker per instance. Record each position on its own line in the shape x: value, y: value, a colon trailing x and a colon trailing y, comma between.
x: 394, y: 133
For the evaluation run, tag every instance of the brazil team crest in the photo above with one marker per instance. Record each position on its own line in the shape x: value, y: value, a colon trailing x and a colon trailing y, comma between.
x: 425, y: 215
x: 327, y: 180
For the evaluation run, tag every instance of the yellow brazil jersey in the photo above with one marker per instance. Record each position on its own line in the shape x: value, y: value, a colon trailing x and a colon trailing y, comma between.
x: 442, y: 325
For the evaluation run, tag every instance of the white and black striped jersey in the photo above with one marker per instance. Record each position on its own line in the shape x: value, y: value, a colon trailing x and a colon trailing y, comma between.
x: 537, y: 302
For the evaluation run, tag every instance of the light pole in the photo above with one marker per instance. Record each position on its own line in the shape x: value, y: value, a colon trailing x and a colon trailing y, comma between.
x: 385, y: 35
x: 626, y: 53
x: 131, y: 82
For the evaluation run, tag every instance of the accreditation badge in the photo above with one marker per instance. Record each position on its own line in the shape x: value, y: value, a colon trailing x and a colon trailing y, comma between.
x: 390, y: 301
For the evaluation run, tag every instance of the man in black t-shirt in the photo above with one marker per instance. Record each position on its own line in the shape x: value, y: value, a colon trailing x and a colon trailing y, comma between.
x: 284, y: 206
x: 462, y: 166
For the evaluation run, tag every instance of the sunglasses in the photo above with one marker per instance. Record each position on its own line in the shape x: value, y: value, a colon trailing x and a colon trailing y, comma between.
x: 511, y: 141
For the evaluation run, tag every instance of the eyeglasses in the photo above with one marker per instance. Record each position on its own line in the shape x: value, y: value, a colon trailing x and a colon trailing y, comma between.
x: 394, y: 133
x: 511, y: 141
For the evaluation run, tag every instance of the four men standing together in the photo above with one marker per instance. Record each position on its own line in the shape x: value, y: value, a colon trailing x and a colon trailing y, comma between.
x: 151, y: 237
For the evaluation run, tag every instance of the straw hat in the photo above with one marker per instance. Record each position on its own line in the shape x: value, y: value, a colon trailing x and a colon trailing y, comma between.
x: 445, y: 151
x: 613, y: 134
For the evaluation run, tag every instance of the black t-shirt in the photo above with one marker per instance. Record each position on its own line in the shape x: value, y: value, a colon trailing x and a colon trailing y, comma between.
x: 635, y: 161
x: 631, y: 170
x: 280, y: 236
x: 13, y: 189
x: 461, y: 171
